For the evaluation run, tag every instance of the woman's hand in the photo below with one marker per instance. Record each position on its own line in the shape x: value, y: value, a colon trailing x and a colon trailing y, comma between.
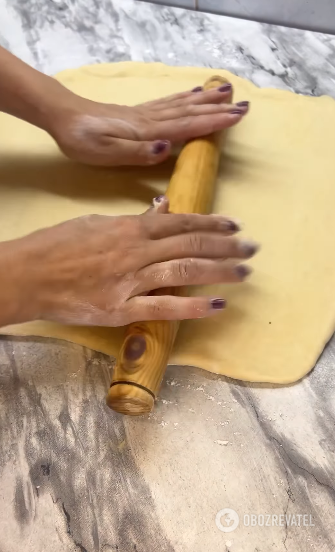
x: 97, y: 270
x: 107, y: 134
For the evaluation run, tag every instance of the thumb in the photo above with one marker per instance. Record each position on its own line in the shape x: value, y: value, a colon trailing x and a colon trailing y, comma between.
x: 131, y: 152
x: 160, y: 206
x: 156, y: 152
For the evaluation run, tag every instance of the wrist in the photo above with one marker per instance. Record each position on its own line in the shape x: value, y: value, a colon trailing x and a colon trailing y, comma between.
x: 62, y: 112
x: 30, y: 95
x: 52, y: 103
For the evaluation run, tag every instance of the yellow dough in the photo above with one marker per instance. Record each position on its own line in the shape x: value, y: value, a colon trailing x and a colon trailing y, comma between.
x: 278, y: 177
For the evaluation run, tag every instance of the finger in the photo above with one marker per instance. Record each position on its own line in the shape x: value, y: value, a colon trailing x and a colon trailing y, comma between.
x: 212, y: 96
x: 197, y: 95
x: 167, y: 307
x: 196, y: 110
x: 174, y: 224
x: 185, y: 128
x: 200, y: 245
x: 208, y: 97
x: 190, y: 272
x: 117, y: 151
x: 160, y: 205
x: 167, y: 99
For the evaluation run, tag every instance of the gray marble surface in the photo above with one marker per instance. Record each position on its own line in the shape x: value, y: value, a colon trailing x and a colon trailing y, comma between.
x: 76, y: 477
x: 316, y: 15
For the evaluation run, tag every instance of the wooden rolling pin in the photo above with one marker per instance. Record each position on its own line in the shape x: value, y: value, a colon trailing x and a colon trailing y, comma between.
x: 147, y: 346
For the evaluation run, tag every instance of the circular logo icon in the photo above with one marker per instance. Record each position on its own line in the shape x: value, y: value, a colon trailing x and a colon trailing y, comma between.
x: 227, y: 520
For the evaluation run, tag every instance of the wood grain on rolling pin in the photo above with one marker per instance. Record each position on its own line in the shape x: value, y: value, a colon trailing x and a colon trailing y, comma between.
x: 146, y: 349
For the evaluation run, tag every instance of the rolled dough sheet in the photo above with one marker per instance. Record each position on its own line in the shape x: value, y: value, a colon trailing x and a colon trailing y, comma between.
x: 277, y: 176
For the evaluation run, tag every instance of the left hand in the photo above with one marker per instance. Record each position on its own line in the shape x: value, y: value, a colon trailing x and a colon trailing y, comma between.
x: 107, y: 134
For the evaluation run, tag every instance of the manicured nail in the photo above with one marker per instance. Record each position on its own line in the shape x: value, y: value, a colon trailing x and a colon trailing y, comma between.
x: 218, y: 304
x: 243, y: 271
x: 225, y: 87
x: 236, y: 112
x: 159, y: 147
x: 158, y: 199
x: 232, y: 226
x: 243, y: 104
x: 197, y: 89
x: 248, y: 248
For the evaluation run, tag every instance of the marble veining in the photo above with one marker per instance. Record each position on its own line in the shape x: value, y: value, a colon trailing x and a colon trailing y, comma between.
x: 75, y: 476
x: 60, y: 34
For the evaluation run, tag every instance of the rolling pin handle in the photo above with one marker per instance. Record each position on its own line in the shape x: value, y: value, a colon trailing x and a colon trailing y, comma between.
x: 127, y: 397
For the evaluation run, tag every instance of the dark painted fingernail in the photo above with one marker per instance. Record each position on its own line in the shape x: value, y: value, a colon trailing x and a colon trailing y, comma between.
x: 249, y: 248
x: 197, y: 89
x: 159, y: 147
x: 159, y: 199
x: 236, y: 112
x: 243, y: 271
x: 232, y: 226
x: 225, y: 87
x: 218, y: 304
x: 243, y: 104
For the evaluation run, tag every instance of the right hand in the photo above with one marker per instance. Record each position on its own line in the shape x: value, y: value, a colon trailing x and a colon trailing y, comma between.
x: 97, y: 270
x: 110, y: 135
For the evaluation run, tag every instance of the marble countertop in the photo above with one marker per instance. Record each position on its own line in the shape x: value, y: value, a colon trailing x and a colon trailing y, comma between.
x: 78, y: 477
x: 58, y: 34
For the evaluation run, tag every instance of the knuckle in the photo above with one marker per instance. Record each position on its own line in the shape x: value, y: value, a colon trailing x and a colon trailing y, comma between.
x: 195, y: 242
x: 189, y: 110
x: 185, y: 122
x: 110, y: 309
x: 155, y: 311
x: 186, y: 224
x: 146, y: 223
x: 144, y: 128
x: 186, y: 270
x: 131, y: 227
x: 232, y: 246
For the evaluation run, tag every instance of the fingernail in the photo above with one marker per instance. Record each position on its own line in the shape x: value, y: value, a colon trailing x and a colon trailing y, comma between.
x: 158, y: 199
x: 243, y: 271
x: 218, y: 304
x: 243, y: 104
x: 159, y: 147
x: 225, y: 87
x: 197, y: 89
x: 249, y: 248
x: 232, y: 226
x: 236, y: 112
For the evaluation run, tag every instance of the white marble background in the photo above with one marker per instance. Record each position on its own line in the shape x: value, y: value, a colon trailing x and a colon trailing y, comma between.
x: 57, y: 34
